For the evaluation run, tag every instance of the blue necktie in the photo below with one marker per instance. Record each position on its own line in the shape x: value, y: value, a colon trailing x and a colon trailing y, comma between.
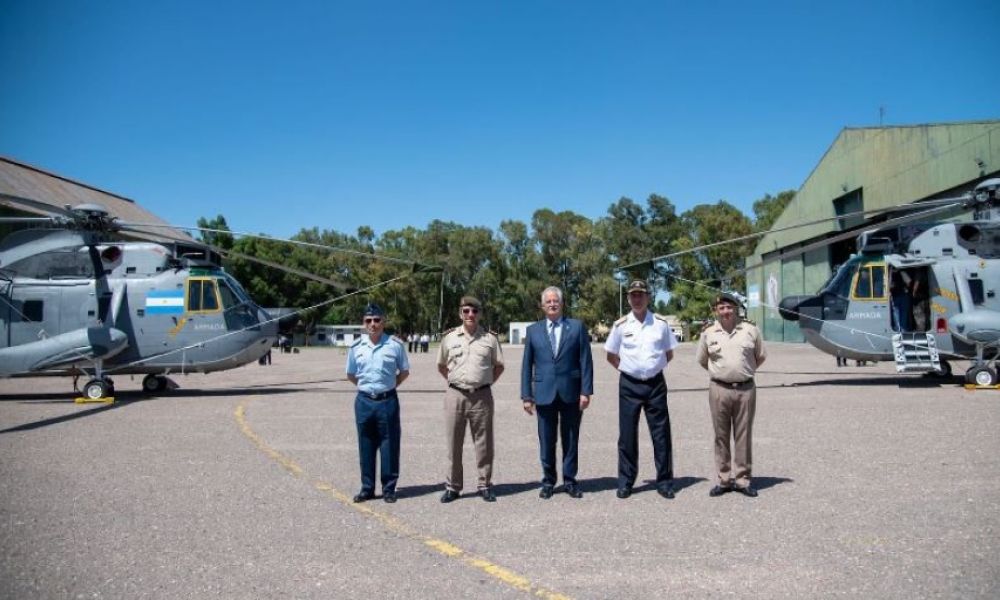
x: 552, y: 336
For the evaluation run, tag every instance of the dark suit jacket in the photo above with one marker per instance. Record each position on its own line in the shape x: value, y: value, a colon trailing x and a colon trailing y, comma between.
x: 568, y: 375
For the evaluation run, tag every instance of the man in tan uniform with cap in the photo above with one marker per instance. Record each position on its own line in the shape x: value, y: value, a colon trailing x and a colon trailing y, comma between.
x: 732, y: 350
x: 471, y: 360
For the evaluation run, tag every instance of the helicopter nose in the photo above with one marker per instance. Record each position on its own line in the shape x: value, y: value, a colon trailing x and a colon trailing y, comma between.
x: 788, y: 308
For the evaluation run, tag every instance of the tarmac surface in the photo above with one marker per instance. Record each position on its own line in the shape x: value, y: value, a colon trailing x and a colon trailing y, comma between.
x: 238, y: 485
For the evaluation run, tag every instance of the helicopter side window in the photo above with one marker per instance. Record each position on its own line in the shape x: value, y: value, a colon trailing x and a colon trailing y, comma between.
x: 870, y: 283
x: 32, y: 310
x: 976, y: 289
x: 201, y: 296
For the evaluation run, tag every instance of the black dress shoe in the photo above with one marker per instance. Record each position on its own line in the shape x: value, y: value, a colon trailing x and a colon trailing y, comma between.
x: 449, y: 496
x: 719, y: 490
x: 488, y: 495
x: 363, y: 495
x: 667, y: 491
x: 389, y: 497
x: 624, y: 492
x: 573, y: 490
x: 747, y: 491
x: 546, y: 492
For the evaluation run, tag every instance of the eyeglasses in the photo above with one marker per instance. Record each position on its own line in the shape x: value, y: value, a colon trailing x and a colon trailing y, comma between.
x: 470, y: 311
x: 369, y: 320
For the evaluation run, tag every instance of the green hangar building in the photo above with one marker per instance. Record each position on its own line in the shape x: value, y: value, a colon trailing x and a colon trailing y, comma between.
x: 865, y: 169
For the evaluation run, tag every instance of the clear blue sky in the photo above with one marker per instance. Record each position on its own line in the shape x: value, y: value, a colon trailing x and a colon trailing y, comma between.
x: 291, y: 114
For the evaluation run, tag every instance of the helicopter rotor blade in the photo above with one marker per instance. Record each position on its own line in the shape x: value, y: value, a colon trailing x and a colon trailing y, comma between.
x: 417, y: 266
x: 840, y: 237
x: 291, y: 270
x: 20, y: 202
x: 849, y: 234
x: 18, y: 220
x: 940, y: 205
x: 340, y: 285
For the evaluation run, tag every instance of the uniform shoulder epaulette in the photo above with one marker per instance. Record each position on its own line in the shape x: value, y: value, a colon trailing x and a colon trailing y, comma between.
x: 750, y: 321
x: 660, y: 317
x: 447, y: 331
x: 357, y: 341
x: 621, y: 320
x: 396, y: 339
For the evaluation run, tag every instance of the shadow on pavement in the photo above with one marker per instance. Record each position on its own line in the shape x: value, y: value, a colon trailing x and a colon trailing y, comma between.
x: 69, y: 417
x: 762, y: 483
x: 415, y: 491
x: 509, y: 489
x: 679, y: 483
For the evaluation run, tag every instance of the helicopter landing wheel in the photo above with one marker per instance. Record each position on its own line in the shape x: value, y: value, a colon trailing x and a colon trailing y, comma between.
x: 97, y: 389
x: 153, y: 384
x: 981, y: 376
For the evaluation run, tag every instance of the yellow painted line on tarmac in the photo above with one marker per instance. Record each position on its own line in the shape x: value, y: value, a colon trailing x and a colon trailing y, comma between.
x: 399, y: 527
x: 290, y: 465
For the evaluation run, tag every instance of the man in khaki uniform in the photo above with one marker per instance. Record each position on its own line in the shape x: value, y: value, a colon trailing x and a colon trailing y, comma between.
x: 471, y: 360
x: 732, y: 350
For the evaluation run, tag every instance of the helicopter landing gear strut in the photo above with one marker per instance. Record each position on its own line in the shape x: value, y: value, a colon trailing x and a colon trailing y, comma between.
x: 154, y: 384
x: 100, y: 388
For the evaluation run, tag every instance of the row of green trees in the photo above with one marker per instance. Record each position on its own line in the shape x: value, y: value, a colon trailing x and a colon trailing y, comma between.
x: 508, y: 268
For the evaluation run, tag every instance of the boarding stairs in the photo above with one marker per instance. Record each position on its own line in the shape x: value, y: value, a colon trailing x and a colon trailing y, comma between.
x: 915, y: 353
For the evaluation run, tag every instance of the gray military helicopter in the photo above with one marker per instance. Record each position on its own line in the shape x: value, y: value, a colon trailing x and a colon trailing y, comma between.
x: 88, y: 294
x: 916, y: 293
x: 76, y: 298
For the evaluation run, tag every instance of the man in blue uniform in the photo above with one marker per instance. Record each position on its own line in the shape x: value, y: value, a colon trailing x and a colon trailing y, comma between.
x: 557, y: 381
x: 377, y: 364
x: 640, y: 346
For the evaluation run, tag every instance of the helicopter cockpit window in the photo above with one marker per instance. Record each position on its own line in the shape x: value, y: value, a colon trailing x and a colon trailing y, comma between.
x: 229, y: 297
x: 201, y: 295
x: 236, y: 288
x: 840, y: 282
x: 240, y: 313
x: 870, y: 283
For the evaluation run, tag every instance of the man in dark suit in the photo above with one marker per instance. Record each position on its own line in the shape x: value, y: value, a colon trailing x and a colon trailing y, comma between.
x: 557, y: 381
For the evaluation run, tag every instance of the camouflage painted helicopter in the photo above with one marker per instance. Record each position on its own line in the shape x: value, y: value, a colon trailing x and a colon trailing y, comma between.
x: 917, y: 294
x: 76, y: 298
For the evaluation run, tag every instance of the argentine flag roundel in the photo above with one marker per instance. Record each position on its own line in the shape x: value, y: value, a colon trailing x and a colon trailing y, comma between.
x: 165, y: 302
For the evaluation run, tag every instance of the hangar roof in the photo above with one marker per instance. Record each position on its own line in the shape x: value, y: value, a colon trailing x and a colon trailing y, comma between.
x: 887, y: 167
x: 25, y: 181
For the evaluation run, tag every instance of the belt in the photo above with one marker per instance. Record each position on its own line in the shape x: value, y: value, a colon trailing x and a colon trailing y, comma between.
x: 656, y: 377
x: 467, y: 391
x: 379, y: 396
x: 736, y: 385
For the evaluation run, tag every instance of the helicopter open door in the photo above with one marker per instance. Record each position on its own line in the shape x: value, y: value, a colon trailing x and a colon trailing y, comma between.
x: 910, y: 293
